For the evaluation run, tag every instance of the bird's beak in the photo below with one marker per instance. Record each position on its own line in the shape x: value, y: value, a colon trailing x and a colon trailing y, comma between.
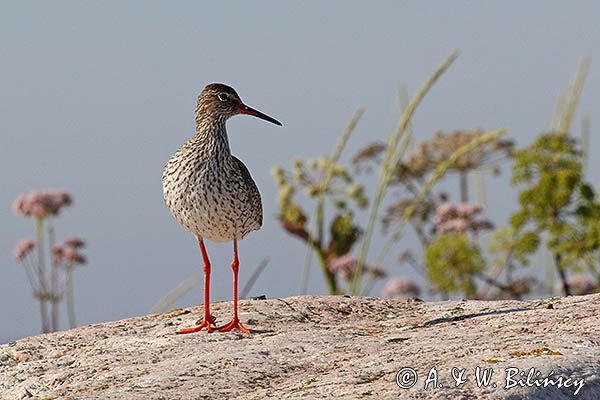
x: 244, y: 109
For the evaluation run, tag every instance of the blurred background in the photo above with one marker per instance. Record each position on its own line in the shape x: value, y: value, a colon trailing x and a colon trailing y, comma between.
x: 97, y: 96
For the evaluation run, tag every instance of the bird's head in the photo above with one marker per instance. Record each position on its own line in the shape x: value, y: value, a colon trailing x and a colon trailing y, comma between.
x: 222, y: 101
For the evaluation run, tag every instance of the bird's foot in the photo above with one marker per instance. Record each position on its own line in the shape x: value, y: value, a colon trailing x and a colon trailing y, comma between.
x: 234, y: 324
x: 206, y: 323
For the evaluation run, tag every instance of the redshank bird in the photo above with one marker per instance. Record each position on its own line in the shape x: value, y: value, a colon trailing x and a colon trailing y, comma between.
x: 210, y: 192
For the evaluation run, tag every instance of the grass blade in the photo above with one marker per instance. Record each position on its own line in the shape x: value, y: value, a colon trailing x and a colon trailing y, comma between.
x: 248, y: 286
x: 572, y: 98
x: 396, y: 146
x: 317, y: 218
x: 168, y: 299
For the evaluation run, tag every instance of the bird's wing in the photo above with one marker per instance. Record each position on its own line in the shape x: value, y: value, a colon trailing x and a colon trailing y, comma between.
x: 251, y: 190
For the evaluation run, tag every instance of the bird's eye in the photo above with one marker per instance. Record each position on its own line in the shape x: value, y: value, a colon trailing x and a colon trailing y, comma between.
x: 223, y: 96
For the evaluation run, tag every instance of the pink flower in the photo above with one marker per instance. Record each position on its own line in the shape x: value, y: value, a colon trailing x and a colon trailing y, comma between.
x: 343, y: 266
x: 22, y: 249
x: 579, y: 284
x: 443, y: 210
x: 62, y: 198
x: 18, y: 206
x: 72, y: 256
x: 40, y: 204
x: 37, y: 209
x: 57, y: 253
x: 400, y: 288
x: 467, y: 210
x: 453, y: 225
x: 459, y: 217
x: 75, y: 242
x: 68, y: 252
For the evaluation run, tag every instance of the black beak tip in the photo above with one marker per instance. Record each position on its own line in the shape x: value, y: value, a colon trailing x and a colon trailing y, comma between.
x: 251, y: 111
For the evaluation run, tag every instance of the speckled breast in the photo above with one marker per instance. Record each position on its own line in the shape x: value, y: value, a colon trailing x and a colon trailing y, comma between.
x: 211, y: 199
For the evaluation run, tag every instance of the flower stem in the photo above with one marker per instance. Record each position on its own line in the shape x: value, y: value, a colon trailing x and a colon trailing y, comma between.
x: 69, y: 295
x: 464, y: 190
x: 42, y: 293
x: 53, y: 278
x: 29, y: 272
x: 318, y: 222
x: 561, y: 273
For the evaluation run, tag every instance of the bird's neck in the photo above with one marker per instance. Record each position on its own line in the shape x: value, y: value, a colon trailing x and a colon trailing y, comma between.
x: 211, y: 136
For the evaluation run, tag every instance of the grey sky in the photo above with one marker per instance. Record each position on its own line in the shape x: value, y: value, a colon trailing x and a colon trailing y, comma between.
x: 97, y: 95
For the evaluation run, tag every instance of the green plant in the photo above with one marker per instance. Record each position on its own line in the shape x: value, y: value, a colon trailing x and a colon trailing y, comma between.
x: 451, y: 262
x: 557, y: 207
x: 557, y: 202
x: 321, y: 179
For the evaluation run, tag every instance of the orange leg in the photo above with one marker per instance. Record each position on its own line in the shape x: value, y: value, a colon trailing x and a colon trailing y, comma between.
x: 208, y: 319
x: 235, y: 322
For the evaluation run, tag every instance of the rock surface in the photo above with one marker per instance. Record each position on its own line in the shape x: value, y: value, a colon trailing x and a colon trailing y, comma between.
x: 317, y: 348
